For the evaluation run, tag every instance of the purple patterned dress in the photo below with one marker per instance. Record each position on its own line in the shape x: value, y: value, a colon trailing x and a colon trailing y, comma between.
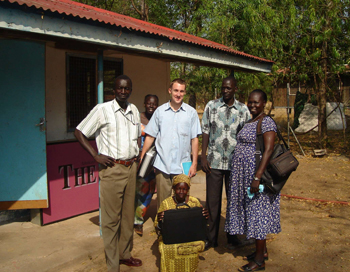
x: 260, y: 215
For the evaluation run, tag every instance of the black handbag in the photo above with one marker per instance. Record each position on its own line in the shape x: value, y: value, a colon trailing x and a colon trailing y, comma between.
x: 183, y: 225
x: 282, y: 162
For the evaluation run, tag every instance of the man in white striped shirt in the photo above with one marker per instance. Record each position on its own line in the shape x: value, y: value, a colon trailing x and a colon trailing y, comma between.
x: 117, y: 129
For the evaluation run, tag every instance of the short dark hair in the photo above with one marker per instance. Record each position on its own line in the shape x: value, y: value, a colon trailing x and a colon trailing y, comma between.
x: 231, y: 78
x: 179, y: 81
x: 261, y: 92
x: 151, y: 95
x: 122, y: 77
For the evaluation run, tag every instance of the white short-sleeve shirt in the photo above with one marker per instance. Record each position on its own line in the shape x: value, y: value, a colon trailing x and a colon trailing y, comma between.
x: 116, y: 130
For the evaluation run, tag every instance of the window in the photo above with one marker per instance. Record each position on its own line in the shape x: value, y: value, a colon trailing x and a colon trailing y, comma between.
x: 82, y: 85
x: 111, y: 69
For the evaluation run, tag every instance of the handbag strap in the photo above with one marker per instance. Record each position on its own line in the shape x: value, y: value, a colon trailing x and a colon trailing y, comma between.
x: 259, y: 146
x: 258, y: 130
x: 182, y: 204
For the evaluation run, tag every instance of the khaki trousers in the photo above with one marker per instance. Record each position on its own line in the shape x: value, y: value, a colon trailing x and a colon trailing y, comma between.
x: 117, y: 202
x: 164, y: 184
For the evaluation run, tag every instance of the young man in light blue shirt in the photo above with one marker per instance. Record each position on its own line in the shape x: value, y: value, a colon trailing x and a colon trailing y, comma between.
x: 175, y: 128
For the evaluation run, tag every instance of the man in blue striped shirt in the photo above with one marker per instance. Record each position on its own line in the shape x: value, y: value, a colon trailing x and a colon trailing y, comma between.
x: 174, y: 127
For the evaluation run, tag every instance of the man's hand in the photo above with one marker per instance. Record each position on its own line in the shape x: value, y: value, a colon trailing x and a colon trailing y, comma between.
x: 205, y: 164
x: 104, y: 160
x: 193, y: 170
x: 205, y: 213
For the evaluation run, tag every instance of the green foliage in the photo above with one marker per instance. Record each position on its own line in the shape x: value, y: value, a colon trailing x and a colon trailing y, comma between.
x: 309, y: 40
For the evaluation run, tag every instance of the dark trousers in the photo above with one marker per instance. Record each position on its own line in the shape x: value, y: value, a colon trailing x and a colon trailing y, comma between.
x: 214, y: 199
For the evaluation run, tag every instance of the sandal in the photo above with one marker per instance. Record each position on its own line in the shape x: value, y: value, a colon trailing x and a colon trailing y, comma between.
x: 138, y: 229
x: 251, y: 257
x: 258, y: 267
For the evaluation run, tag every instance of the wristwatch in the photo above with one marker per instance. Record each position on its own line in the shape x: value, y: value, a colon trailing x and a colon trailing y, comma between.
x: 256, y: 178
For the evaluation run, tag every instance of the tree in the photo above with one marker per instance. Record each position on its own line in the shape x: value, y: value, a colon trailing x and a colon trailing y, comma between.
x: 307, y: 38
x: 322, y: 49
x: 143, y: 9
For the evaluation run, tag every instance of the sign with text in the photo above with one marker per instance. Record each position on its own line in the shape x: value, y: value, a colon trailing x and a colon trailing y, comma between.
x: 72, y: 181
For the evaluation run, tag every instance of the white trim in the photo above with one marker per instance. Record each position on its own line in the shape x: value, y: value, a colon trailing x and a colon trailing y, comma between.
x: 124, y: 39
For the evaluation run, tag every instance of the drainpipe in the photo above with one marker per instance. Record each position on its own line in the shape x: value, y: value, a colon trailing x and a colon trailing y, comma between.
x: 100, y: 76
x: 99, y: 101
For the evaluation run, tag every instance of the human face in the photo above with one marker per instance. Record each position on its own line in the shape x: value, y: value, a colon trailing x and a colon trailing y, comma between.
x: 177, y: 92
x: 228, y: 89
x: 181, y: 190
x: 151, y: 104
x: 122, y: 90
x: 256, y: 104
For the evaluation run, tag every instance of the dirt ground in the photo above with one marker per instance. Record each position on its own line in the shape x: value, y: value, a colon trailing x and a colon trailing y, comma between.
x: 315, y: 235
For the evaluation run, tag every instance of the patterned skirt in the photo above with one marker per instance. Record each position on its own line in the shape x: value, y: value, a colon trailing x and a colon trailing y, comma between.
x: 180, y: 257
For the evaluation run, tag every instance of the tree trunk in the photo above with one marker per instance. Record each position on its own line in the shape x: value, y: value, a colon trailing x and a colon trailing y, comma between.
x: 322, y: 100
x: 322, y: 122
x: 192, y: 100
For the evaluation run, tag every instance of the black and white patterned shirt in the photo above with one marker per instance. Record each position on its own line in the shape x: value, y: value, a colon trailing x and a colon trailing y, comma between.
x: 222, y: 123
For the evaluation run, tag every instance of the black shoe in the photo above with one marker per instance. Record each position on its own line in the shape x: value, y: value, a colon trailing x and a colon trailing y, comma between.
x: 257, y: 266
x: 209, y: 245
x: 139, y: 229
x: 251, y: 257
x: 233, y: 240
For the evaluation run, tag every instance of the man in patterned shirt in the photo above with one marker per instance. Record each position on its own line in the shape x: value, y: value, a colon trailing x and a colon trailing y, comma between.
x: 116, y: 126
x: 221, y: 121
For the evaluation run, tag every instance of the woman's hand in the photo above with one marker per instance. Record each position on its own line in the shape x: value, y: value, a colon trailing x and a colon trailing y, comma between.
x: 254, y: 186
x: 160, y: 216
x: 205, y: 213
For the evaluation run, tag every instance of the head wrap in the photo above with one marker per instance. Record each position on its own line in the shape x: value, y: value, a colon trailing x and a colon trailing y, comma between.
x: 182, y: 178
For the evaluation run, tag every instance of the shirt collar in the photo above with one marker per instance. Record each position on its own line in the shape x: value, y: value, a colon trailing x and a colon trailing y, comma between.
x: 168, y: 107
x: 222, y: 103
x: 118, y: 108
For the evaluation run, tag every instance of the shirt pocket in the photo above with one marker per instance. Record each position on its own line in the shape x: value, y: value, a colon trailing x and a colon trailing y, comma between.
x: 135, y: 131
x: 185, y: 129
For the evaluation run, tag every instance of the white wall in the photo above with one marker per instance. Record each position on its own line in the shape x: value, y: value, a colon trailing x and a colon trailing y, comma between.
x: 149, y: 76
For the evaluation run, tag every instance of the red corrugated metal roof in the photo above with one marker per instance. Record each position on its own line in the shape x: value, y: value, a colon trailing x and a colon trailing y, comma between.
x: 104, y: 16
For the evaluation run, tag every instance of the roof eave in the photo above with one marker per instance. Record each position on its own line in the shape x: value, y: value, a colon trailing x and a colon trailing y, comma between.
x: 154, y: 46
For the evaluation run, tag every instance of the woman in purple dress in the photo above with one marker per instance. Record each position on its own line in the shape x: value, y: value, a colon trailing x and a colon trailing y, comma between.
x: 259, y: 215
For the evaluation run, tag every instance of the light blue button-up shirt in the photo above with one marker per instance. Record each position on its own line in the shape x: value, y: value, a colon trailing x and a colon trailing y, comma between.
x: 173, y: 131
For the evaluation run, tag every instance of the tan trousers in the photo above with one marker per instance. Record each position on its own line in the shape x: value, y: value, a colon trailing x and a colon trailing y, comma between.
x: 164, y: 184
x: 117, y: 202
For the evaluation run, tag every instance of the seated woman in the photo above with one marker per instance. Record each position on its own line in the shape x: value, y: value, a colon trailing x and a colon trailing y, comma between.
x: 172, y: 256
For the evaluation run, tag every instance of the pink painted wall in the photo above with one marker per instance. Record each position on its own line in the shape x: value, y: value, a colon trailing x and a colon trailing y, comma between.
x: 72, y: 182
